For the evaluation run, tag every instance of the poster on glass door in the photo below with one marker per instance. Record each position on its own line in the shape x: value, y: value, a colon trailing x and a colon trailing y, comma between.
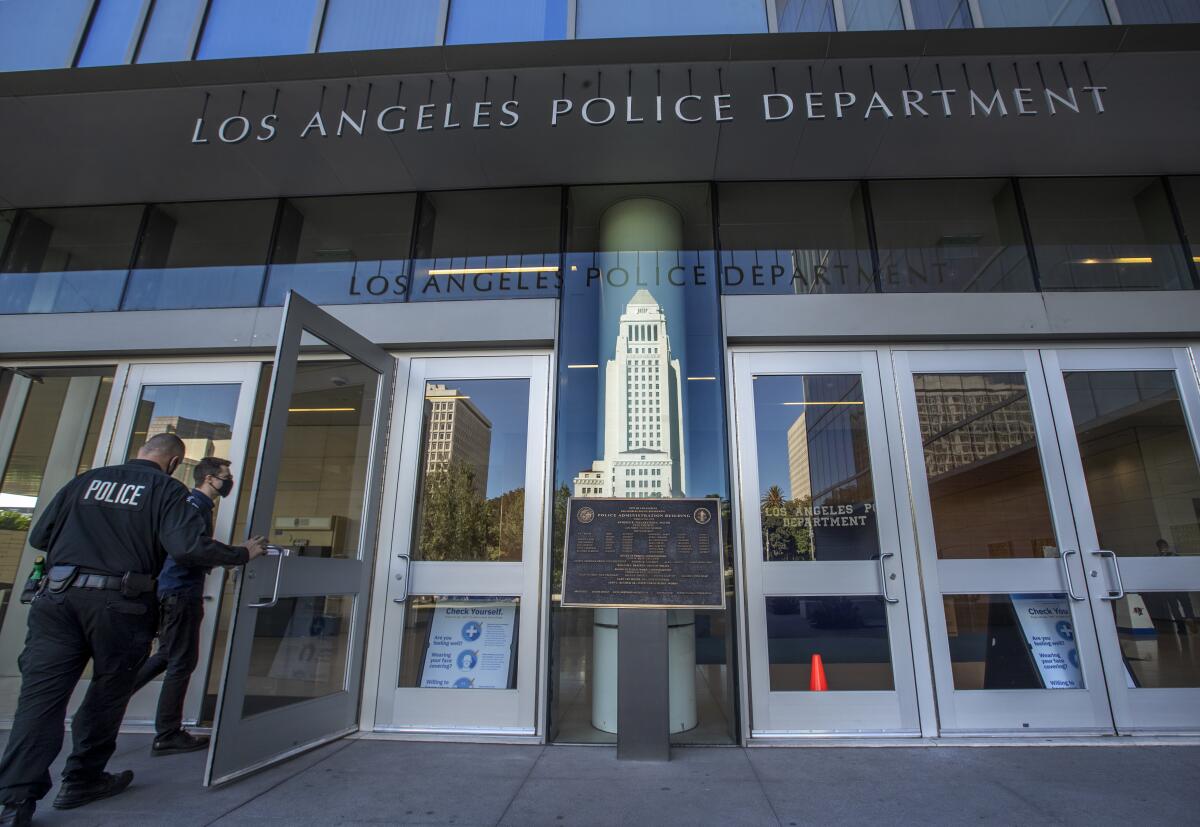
x: 1050, y: 633
x: 470, y: 644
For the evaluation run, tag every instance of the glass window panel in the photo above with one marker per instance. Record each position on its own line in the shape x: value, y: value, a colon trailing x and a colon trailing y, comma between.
x: 794, y: 238
x: 170, y: 32
x: 472, y: 500
x: 486, y: 21
x: 949, y: 236
x: 342, y: 250
x: 201, y: 415
x: 460, y: 642
x: 986, y: 488
x: 805, y: 15
x: 40, y: 34
x: 1160, y: 638
x: 247, y: 28
x: 1104, y: 234
x: 68, y: 260
x: 351, y: 25
x: 300, y: 651
x: 488, y: 244
x: 202, y: 254
x: 1187, y: 198
x: 87, y: 456
x: 941, y: 14
x: 816, y: 495
x: 1002, y: 13
x: 849, y: 634
x: 1159, y: 11
x: 8, y: 218
x: 113, y: 33
x: 1138, y: 460
x: 1012, y: 641
x: 636, y: 18
x: 871, y: 15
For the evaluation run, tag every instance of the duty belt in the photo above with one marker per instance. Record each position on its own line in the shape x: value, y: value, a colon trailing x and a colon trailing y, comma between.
x: 97, y: 581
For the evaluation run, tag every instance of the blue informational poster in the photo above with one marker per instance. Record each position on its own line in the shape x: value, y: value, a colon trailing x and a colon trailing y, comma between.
x: 470, y: 644
x: 1050, y: 633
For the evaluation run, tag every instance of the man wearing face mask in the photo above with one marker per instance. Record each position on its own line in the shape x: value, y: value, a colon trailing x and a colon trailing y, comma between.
x: 106, y: 535
x: 181, y: 611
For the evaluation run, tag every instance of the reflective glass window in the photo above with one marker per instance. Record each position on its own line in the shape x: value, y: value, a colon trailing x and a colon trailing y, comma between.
x: 486, y: 21
x: 637, y: 18
x: 871, y: 15
x: 488, y: 244
x: 1159, y: 11
x: 950, y: 235
x: 805, y: 15
x: 1104, y: 234
x: 941, y: 14
x: 246, y: 28
x: 1002, y: 13
x: 114, y: 32
x: 849, y: 634
x: 342, y: 250
x: 794, y: 238
x: 7, y: 219
x: 68, y: 260
x: 201, y: 254
x: 1160, y: 638
x: 1187, y: 199
x: 170, y: 32
x: 40, y: 34
x: 379, y: 24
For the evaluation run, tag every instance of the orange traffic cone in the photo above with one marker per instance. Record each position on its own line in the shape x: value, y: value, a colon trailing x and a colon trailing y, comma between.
x: 816, y: 680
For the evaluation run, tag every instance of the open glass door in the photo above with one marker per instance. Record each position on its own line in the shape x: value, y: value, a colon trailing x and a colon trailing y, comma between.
x: 293, y: 668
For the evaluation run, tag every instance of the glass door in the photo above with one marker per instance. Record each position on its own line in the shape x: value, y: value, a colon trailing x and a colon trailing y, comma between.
x: 464, y: 585
x: 293, y: 667
x: 1013, y: 642
x: 1128, y: 422
x: 829, y: 643
x: 209, y: 407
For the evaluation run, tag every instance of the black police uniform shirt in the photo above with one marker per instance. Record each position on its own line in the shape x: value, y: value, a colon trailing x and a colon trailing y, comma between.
x: 188, y: 581
x: 124, y: 518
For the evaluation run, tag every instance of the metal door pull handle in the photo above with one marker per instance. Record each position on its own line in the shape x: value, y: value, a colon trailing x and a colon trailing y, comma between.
x: 280, y: 552
x: 883, y: 577
x: 1120, y: 592
x: 1066, y: 569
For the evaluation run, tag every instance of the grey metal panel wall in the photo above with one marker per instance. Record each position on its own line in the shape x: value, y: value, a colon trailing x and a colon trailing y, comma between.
x: 528, y: 322
x: 946, y: 317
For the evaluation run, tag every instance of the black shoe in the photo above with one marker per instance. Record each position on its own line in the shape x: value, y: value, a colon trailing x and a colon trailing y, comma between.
x: 178, y: 741
x: 76, y: 794
x: 19, y: 814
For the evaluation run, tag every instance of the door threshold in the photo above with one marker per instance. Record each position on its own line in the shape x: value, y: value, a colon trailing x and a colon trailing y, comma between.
x: 988, y: 741
x: 449, y: 737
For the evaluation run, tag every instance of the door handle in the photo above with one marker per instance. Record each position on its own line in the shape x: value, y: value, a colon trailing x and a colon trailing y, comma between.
x: 1116, y: 565
x: 883, y: 576
x: 407, y: 569
x: 279, y: 552
x: 1066, y: 568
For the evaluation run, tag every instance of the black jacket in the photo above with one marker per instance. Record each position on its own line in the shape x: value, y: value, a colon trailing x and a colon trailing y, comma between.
x: 127, y: 518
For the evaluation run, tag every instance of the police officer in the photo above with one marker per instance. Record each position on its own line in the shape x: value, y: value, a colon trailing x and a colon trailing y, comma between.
x: 181, y: 611
x: 107, y: 534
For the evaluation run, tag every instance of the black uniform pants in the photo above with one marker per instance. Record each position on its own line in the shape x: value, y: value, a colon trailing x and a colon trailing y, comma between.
x: 177, y: 654
x: 65, y: 631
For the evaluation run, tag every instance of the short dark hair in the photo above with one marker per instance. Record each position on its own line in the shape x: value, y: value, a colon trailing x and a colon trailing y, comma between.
x: 163, y: 445
x: 209, y: 466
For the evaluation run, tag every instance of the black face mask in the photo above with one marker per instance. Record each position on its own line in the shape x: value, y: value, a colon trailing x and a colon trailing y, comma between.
x: 225, y: 487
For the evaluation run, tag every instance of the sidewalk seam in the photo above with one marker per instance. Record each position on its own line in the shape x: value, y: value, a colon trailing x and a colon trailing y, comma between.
x: 521, y: 786
x: 762, y: 787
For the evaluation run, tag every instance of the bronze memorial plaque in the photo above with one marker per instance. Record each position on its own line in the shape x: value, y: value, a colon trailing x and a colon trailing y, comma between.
x: 644, y: 554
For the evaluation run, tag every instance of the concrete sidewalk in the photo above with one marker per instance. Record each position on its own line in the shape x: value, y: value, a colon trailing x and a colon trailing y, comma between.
x: 394, y: 782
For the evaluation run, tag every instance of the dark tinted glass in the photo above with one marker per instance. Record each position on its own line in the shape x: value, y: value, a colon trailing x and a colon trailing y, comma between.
x: 941, y: 14
x: 342, y: 250
x: 486, y: 21
x: 805, y: 15
x: 1104, y: 234
x: 1001, y: 13
x: 40, y: 34
x: 488, y: 244
x: 113, y: 34
x: 68, y: 260
x: 203, y: 254
x: 1160, y: 638
x: 1187, y: 199
x: 379, y: 24
x: 7, y: 219
x: 849, y: 636
x: 171, y: 31
x: 871, y: 15
x: 244, y: 28
x: 1159, y: 11
x: 794, y: 238
x: 637, y: 18
x: 951, y: 236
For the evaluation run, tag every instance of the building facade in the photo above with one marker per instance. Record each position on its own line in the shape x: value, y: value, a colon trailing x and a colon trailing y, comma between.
x: 911, y: 286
